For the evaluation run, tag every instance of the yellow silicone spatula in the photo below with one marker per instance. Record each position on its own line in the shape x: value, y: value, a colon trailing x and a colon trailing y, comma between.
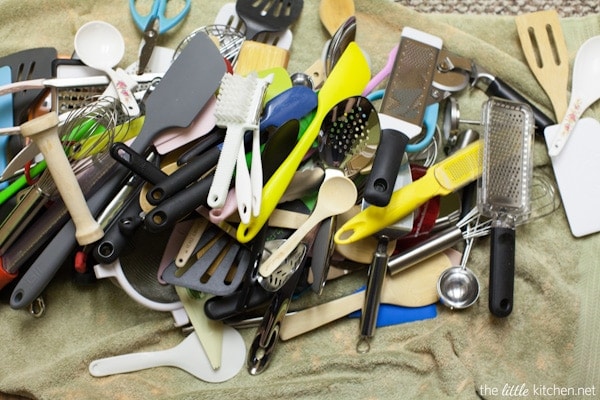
x: 441, y: 179
x: 348, y: 78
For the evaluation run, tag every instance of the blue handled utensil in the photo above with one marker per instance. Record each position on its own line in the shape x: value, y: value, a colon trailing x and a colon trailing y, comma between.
x: 158, y: 11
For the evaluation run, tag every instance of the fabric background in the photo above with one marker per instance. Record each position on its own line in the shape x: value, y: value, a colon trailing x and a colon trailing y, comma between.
x: 551, y: 338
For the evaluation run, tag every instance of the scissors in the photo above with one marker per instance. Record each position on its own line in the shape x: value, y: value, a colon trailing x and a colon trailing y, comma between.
x: 154, y: 24
x: 158, y: 11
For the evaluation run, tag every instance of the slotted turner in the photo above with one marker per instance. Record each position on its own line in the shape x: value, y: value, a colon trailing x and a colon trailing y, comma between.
x: 268, y: 15
x: 544, y: 47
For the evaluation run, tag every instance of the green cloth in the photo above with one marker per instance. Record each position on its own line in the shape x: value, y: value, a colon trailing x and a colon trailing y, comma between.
x: 550, y: 339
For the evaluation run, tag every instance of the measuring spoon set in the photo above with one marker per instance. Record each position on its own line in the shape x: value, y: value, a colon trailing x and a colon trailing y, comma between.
x: 251, y: 183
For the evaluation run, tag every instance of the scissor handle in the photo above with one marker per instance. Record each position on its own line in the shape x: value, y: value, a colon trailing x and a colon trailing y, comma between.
x: 158, y: 10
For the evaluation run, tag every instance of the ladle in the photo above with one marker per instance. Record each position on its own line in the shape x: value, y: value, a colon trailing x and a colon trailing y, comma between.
x: 101, y: 46
x: 585, y: 90
x: 458, y: 286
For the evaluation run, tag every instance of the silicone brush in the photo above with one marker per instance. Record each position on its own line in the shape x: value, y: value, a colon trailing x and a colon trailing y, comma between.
x: 238, y: 108
x: 441, y: 179
x: 348, y: 78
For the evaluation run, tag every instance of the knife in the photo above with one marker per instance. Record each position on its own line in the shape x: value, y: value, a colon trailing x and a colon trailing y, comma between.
x: 402, y: 109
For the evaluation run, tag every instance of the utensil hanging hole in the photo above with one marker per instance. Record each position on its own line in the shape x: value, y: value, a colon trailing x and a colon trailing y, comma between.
x: 106, y: 249
x: 380, y: 185
x: 157, y: 194
x: 159, y: 218
x: 505, y: 304
x: 553, y: 46
x: 536, y: 48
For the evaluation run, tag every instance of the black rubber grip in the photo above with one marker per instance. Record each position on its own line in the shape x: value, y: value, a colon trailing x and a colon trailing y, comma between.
x: 499, y: 88
x: 136, y: 163
x: 165, y: 215
x: 118, y: 235
x: 502, y: 271
x: 386, y: 164
x: 183, y: 176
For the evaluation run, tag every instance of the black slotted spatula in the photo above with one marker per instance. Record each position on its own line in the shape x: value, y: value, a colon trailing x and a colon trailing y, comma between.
x: 268, y: 15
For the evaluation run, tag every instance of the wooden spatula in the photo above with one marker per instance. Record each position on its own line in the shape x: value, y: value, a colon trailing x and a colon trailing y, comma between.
x: 544, y: 47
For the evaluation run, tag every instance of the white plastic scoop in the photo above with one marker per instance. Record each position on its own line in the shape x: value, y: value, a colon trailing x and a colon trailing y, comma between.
x: 187, y: 355
x: 584, y: 92
x: 101, y: 46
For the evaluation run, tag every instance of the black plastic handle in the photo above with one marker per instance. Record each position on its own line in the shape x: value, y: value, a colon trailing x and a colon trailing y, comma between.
x: 386, y: 164
x: 119, y: 234
x: 219, y: 308
x: 183, y: 176
x: 165, y: 215
x: 499, y: 88
x: 136, y: 163
x: 502, y: 271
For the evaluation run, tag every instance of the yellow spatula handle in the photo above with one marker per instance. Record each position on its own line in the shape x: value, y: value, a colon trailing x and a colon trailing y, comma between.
x: 448, y: 175
x: 348, y: 78
x: 403, y: 201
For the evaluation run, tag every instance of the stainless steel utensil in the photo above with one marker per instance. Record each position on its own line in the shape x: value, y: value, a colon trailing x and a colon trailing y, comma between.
x: 504, y: 190
x: 458, y: 286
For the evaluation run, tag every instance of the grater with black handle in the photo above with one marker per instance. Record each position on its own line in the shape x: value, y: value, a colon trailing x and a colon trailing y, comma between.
x: 504, y: 190
x: 407, y: 94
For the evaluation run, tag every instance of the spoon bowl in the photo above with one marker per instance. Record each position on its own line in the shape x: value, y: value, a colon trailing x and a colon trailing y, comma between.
x: 458, y: 287
x: 101, y: 46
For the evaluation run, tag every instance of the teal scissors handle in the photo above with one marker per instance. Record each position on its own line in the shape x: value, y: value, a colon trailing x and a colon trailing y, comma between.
x: 158, y: 10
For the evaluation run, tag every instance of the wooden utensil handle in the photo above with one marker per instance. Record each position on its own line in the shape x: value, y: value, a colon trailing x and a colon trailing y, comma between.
x: 314, y: 317
x: 44, y: 133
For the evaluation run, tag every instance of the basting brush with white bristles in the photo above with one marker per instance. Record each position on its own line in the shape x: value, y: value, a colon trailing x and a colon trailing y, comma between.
x: 238, y: 108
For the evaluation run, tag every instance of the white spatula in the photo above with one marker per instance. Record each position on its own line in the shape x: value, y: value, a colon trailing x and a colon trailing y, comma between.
x: 187, y: 355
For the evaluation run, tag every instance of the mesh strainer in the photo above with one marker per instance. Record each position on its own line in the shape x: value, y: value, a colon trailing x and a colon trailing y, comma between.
x: 504, y: 190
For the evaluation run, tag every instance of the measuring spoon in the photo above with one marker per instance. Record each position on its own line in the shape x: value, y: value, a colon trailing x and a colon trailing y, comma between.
x: 100, y: 45
x: 585, y: 90
x: 458, y: 286
x: 187, y: 355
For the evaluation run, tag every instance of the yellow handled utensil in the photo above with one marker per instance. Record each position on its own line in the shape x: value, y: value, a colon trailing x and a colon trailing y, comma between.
x: 348, y: 78
x: 441, y: 179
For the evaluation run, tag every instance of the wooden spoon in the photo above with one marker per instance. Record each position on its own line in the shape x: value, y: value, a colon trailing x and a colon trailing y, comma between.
x: 334, y: 13
x: 337, y: 194
x: 414, y: 287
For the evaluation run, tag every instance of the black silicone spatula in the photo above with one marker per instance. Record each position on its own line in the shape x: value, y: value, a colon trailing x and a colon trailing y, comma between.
x: 183, y: 91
